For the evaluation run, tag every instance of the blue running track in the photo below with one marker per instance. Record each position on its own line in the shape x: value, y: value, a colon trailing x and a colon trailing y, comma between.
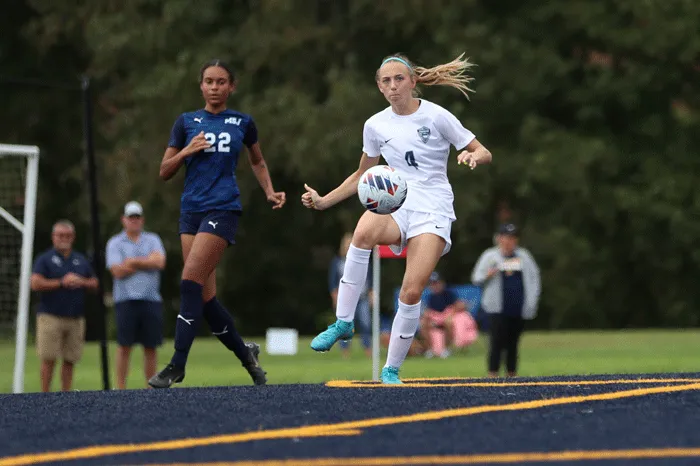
x: 650, y: 419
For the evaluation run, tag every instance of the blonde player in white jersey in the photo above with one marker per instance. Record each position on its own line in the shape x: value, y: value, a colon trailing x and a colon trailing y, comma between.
x: 414, y: 137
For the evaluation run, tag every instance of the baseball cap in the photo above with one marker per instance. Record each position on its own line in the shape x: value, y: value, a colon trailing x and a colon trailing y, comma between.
x: 133, y: 208
x: 508, y: 229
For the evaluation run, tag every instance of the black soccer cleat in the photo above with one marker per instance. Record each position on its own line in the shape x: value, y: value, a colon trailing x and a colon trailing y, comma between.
x: 168, y: 376
x: 252, y: 365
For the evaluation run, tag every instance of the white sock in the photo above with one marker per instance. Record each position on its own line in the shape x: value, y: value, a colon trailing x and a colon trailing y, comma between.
x: 402, y: 332
x: 352, y: 282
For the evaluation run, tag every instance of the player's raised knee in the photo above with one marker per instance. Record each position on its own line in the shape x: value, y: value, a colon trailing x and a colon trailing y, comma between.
x: 410, y: 294
x: 373, y: 229
x: 364, y: 237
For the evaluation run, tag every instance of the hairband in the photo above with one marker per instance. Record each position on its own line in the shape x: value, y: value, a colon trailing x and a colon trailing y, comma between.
x: 396, y: 59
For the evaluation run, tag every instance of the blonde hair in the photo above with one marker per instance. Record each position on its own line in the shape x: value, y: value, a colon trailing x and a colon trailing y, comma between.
x: 453, y: 74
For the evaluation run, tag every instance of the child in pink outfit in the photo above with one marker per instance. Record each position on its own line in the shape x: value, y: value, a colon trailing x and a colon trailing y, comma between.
x: 446, y: 317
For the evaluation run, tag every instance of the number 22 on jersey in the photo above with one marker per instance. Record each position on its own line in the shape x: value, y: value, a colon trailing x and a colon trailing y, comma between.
x: 224, y: 139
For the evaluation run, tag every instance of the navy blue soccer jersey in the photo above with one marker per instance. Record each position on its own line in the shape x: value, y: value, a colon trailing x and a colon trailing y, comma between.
x: 210, y: 181
x: 64, y: 302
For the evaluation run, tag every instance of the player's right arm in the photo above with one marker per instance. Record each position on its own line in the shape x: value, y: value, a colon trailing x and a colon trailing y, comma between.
x: 175, y: 154
x: 174, y: 157
x: 313, y: 200
x: 370, y: 158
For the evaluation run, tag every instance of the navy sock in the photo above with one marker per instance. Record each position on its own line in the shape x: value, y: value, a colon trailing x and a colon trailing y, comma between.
x: 187, y: 321
x: 221, y: 324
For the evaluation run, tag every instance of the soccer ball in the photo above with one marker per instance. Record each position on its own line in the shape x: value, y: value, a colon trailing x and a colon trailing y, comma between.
x: 382, y: 190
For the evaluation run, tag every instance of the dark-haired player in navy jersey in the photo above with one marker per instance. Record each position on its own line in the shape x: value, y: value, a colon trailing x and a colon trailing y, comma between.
x: 208, y: 142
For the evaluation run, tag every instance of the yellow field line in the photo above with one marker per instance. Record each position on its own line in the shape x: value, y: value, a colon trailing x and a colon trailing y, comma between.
x: 423, y: 383
x: 326, y: 430
x: 499, y: 458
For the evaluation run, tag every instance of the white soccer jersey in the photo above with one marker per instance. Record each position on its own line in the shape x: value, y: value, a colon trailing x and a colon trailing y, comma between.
x: 418, y: 146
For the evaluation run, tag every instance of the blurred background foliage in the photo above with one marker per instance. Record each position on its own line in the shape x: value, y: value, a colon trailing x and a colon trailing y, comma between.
x: 591, y: 110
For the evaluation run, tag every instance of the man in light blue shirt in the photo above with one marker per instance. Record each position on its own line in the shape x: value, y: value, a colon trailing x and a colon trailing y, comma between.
x: 135, y: 259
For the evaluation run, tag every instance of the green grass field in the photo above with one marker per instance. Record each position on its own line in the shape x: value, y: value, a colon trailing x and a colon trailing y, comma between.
x: 542, y: 353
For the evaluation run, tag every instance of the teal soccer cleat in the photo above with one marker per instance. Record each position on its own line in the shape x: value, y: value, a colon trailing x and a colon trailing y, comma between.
x: 325, y: 340
x: 390, y: 376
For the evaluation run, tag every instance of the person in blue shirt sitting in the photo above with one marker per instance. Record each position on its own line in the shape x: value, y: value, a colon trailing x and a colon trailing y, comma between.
x: 446, y: 320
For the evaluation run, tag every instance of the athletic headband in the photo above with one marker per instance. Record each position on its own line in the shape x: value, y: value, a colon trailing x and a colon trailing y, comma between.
x: 401, y: 60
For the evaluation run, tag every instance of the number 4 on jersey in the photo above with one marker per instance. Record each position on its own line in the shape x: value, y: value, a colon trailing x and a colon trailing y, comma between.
x: 411, y: 160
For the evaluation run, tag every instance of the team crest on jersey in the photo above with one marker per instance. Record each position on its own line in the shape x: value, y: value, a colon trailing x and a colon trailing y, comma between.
x: 424, y: 133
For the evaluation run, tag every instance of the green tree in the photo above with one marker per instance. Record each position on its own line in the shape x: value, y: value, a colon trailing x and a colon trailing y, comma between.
x: 590, y: 110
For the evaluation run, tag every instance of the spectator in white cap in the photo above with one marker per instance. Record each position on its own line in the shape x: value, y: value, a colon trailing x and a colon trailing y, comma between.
x: 135, y: 259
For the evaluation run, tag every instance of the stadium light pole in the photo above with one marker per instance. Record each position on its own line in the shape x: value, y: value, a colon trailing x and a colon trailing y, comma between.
x: 98, y: 263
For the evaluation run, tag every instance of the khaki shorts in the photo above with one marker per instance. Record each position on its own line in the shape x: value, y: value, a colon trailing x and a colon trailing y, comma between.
x: 59, y: 337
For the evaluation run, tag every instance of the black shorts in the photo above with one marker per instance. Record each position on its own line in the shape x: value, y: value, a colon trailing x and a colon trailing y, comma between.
x: 222, y: 223
x: 139, y: 322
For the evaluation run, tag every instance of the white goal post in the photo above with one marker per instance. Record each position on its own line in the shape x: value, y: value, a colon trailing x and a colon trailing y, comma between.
x: 25, y: 227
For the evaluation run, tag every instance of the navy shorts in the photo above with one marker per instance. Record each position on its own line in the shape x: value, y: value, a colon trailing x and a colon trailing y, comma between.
x: 139, y: 322
x: 222, y: 223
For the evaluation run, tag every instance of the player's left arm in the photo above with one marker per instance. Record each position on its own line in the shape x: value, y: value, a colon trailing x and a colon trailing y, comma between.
x: 257, y: 162
x: 474, y: 154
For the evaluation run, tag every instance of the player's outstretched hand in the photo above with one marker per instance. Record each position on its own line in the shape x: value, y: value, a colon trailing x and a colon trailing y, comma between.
x: 198, y: 143
x: 277, y: 199
x: 311, y: 199
x: 467, y: 158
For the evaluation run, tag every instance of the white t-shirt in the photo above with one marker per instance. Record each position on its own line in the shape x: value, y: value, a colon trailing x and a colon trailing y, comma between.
x: 417, y: 146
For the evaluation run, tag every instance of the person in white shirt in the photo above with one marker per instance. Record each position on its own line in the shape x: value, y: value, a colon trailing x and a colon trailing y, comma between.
x: 414, y: 137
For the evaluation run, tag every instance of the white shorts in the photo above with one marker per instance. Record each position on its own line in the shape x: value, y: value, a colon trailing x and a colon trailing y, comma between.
x: 412, y: 223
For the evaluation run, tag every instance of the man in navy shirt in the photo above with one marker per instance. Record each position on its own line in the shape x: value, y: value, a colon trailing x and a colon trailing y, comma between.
x: 62, y: 276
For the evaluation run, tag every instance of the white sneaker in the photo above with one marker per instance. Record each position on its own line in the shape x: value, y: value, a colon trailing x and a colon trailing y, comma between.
x: 428, y: 354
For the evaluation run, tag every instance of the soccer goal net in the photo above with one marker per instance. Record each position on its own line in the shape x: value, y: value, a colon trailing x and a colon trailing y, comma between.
x: 19, y: 173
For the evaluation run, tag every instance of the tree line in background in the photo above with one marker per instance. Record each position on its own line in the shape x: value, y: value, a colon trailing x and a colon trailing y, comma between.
x: 590, y: 109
